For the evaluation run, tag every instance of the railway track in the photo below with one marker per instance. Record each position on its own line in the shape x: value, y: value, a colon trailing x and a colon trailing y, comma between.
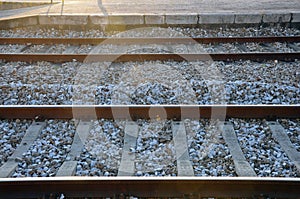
x: 128, y: 49
x: 241, y: 142
x: 184, y: 166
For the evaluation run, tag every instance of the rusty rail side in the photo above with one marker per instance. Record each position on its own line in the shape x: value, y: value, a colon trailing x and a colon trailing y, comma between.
x: 192, y: 187
x: 134, y: 112
x: 88, y: 58
x: 154, y: 40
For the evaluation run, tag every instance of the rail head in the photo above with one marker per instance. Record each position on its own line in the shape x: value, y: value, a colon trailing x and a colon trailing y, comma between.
x: 133, y: 112
x: 151, y: 186
x: 147, y: 40
x: 140, y: 57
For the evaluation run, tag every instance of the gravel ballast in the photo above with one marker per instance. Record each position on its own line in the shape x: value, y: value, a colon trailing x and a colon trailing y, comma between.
x: 42, y: 32
x: 155, y: 153
x: 103, y: 150
x: 262, y: 152
x: 208, y: 152
x: 292, y: 128
x: 49, y: 151
x: 11, y: 134
x: 152, y: 82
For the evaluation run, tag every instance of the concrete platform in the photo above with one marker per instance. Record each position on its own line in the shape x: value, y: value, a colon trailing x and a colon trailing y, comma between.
x: 152, y: 12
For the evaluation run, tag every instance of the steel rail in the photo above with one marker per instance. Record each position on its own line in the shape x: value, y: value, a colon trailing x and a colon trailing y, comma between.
x: 87, y: 58
x: 147, y: 40
x: 192, y: 187
x: 134, y: 112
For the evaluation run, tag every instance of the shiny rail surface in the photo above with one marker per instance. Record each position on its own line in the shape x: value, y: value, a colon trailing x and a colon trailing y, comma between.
x: 134, y: 112
x: 179, y: 187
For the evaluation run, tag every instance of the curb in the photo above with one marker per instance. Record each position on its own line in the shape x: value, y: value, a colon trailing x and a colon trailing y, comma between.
x: 152, y: 19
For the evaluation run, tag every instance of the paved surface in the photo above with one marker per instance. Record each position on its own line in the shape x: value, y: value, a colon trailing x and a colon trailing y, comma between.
x: 159, y: 11
x: 168, y: 6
